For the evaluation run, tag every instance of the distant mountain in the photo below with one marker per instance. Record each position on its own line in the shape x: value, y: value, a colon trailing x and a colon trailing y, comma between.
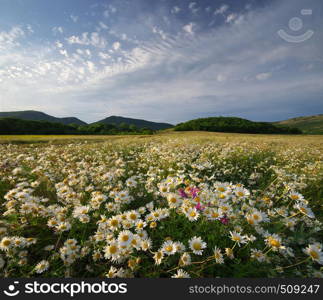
x: 116, y: 120
x: 233, y: 124
x: 33, y: 115
x: 309, y: 124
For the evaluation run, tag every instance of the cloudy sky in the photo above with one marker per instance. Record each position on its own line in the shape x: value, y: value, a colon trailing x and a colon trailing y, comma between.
x: 169, y: 61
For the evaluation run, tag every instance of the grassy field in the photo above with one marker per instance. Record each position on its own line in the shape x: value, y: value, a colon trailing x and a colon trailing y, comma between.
x: 29, y: 139
x: 209, y: 136
x: 176, y: 204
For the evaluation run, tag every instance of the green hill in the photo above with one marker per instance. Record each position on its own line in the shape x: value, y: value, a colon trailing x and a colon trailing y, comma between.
x: 309, y: 124
x: 233, y: 124
x: 33, y: 115
x: 116, y: 120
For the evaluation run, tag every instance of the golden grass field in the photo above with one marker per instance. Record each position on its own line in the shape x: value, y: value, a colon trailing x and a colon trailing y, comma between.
x: 200, y: 135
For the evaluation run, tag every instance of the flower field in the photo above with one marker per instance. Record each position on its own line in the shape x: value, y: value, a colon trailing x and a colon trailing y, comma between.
x: 185, y: 205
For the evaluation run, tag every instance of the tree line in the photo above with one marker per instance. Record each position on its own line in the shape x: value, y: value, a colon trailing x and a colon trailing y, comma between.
x: 19, y: 126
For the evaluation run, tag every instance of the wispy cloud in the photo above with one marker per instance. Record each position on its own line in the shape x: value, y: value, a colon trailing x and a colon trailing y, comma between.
x: 74, y: 18
x: 239, y: 67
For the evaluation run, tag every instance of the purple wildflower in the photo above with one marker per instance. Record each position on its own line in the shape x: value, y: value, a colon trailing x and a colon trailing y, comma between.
x: 194, y: 192
x: 224, y: 220
x: 199, y: 206
x: 182, y: 193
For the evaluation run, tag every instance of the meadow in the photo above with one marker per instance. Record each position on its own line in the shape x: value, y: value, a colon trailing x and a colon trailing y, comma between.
x: 196, y: 204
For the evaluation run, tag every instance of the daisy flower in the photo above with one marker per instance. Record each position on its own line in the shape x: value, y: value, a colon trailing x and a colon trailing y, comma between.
x: 192, y: 214
x: 168, y: 248
x: 305, y: 210
x: 158, y: 257
x: 185, y: 259
x: 218, y: 256
x: 258, y: 255
x: 112, y: 273
x: 229, y: 253
x: 296, y: 196
x: 140, y: 224
x: 6, y: 243
x: 315, y: 253
x: 173, y: 200
x: 146, y: 244
x: 111, y: 250
x: 42, y: 266
x: 274, y: 241
x: 125, y: 237
x: 133, y: 216
x: 197, y: 245
x: 181, y: 274
x: 238, y: 238
x: 180, y: 247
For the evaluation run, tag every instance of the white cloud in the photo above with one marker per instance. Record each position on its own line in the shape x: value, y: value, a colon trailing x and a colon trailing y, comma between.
x: 104, y: 56
x: 88, y: 52
x: 263, y: 76
x: 91, y: 66
x: 74, y: 18
x: 175, y: 10
x: 160, y: 32
x: 188, y: 28
x: 222, y: 9
x: 57, y: 30
x: 63, y: 52
x: 30, y: 28
x: 10, y: 38
x: 103, y: 26
x: 116, y: 46
x: 231, y: 17
x: 113, y: 9
x: 58, y: 44
x: 94, y: 39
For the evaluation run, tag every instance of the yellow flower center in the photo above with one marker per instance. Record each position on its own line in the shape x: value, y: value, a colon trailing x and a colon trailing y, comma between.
x: 169, y: 248
x: 114, y: 222
x: 303, y: 210
x: 113, y: 249
x: 133, y: 216
x: 6, y: 243
x: 256, y: 217
x: 274, y: 243
x: 250, y: 221
x: 314, y: 254
x: 193, y: 214
x: 197, y: 246
x: 125, y: 238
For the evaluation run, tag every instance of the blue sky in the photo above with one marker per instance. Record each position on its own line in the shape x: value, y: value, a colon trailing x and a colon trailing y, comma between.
x: 167, y: 61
